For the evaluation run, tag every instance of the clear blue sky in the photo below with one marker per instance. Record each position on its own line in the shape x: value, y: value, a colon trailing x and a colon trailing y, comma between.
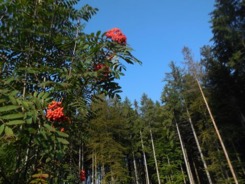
x: 157, y: 30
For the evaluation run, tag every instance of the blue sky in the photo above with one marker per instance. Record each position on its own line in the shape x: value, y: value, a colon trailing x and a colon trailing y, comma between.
x: 157, y: 30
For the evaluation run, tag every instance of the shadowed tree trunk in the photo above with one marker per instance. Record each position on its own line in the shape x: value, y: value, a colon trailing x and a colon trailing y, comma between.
x: 145, y: 162
x: 187, y: 164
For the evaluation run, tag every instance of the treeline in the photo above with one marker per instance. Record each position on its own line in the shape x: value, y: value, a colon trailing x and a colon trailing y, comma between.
x: 62, y: 121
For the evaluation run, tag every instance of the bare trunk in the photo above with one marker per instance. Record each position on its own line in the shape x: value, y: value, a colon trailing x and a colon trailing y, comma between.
x: 183, y: 173
x: 190, y: 176
x: 196, y: 172
x: 193, y: 70
x: 95, y: 169
x: 199, y: 147
x: 155, y: 159
x: 145, y: 162
x: 79, y: 159
x: 135, y: 170
x: 93, y: 175
x: 218, y: 134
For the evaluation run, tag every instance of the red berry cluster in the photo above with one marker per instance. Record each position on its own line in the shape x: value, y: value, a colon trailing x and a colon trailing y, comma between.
x: 116, y: 35
x: 99, y: 66
x: 105, y: 70
x: 82, y: 175
x: 55, y: 112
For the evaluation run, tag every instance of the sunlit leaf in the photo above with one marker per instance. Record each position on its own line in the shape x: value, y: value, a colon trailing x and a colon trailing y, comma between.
x: 63, y: 141
x: 15, y: 122
x: 8, y: 108
x: 12, y: 116
x: 8, y: 131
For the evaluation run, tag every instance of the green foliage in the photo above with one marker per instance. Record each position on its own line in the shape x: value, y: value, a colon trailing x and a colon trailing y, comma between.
x: 46, y: 56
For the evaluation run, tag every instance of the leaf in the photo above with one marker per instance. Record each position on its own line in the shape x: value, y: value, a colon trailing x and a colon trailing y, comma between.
x: 13, y: 116
x: 25, y: 105
x: 9, y: 131
x: 8, y: 108
x: 1, y: 129
x: 40, y: 175
x: 15, y: 122
x: 63, y: 141
x: 62, y: 134
x: 29, y: 120
x: 50, y: 128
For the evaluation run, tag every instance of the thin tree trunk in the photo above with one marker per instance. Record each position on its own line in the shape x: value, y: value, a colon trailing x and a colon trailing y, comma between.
x: 135, y: 170
x: 79, y: 159
x: 92, y: 178
x: 199, y: 147
x: 218, y: 134
x: 193, y: 70
x: 95, y: 169
x: 155, y: 159
x: 145, y: 162
x: 182, y: 171
x: 196, y: 172
x: 190, y: 176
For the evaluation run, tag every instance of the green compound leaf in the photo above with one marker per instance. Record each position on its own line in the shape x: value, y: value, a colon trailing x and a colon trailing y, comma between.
x: 63, y: 141
x: 8, y: 108
x: 12, y: 116
x: 15, y: 122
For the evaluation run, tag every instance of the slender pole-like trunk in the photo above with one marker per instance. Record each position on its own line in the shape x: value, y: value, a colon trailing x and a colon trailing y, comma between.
x: 218, y: 134
x: 189, y: 173
x: 155, y: 158
x: 196, y: 172
x: 95, y: 169
x: 199, y: 147
x: 92, y: 177
x: 193, y: 70
x: 145, y: 162
x: 135, y: 170
x: 79, y: 159
x: 182, y: 171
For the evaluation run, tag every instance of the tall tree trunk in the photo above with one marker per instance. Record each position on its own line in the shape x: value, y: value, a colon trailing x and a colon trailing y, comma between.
x: 190, y: 176
x: 79, y: 159
x: 93, y: 175
x: 145, y: 162
x: 218, y: 134
x: 196, y: 172
x: 95, y: 169
x: 192, y: 67
x: 182, y: 171
x: 155, y: 158
x: 135, y: 170
x: 199, y: 147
